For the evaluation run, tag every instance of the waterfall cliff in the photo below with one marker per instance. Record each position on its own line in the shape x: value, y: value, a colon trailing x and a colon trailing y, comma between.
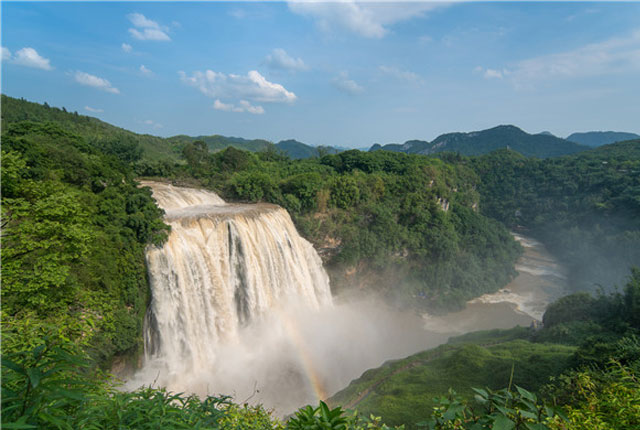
x: 223, y: 268
x: 241, y: 306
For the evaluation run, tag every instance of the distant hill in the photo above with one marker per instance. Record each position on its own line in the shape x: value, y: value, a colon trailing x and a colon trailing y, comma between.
x: 598, y: 138
x: 94, y: 130
x: 217, y: 142
x: 482, y: 142
x: 298, y: 150
x: 292, y: 148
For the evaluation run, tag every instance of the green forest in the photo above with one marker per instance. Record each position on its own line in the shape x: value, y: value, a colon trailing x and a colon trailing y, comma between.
x: 428, y: 232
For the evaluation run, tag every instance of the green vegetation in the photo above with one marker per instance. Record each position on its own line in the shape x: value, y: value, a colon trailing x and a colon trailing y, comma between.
x: 591, y: 375
x: 75, y: 290
x: 486, y: 141
x: 95, y: 132
x: 406, y: 224
x: 403, y: 390
x: 599, y: 138
x: 290, y: 148
x: 585, y: 208
x: 74, y: 231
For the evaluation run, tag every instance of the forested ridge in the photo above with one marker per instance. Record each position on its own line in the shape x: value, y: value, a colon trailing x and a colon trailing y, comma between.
x: 427, y: 232
x: 485, y: 141
x: 585, y: 207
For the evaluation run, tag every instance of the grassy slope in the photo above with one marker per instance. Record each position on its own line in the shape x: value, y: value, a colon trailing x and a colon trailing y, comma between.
x: 154, y: 148
x: 402, y: 391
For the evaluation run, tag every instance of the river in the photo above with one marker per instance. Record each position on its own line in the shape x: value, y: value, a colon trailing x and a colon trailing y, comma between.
x: 540, y: 281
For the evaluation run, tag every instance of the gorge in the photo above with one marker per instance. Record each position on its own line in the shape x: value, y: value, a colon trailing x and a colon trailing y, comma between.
x: 241, y: 304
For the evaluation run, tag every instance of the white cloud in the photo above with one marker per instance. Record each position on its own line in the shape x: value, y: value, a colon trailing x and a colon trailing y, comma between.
x: 149, y: 34
x: 425, y: 39
x: 279, y: 59
x: 227, y: 107
x: 346, y: 85
x: 28, y: 57
x: 243, y: 106
x: 94, y: 110
x: 366, y: 19
x: 152, y: 123
x: 127, y: 48
x: 95, y: 82
x: 403, y: 75
x: 139, y: 20
x: 492, y: 74
x: 610, y: 57
x: 149, y: 29
x: 145, y: 71
x: 252, y: 86
x: 6, y: 54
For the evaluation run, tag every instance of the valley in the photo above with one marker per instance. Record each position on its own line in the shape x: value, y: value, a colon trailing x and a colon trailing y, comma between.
x: 372, y: 280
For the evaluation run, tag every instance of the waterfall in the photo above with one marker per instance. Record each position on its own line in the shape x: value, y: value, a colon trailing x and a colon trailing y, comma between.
x: 241, y: 306
x: 225, y: 268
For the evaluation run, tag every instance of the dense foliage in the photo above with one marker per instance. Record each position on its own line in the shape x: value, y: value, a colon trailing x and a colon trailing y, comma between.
x: 291, y: 148
x: 73, y: 237
x: 586, y: 361
x: 95, y: 132
x: 406, y: 224
x: 585, y: 208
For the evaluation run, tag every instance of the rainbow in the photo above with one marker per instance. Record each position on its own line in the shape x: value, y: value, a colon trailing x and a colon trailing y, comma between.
x: 305, y: 356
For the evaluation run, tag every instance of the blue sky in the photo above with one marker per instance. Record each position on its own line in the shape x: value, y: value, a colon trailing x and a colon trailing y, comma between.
x: 342, y: 73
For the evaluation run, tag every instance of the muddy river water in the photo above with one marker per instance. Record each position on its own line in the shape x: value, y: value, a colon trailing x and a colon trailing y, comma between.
x: 540, y: 281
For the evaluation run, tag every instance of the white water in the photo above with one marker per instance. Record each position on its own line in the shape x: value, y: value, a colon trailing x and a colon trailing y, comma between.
x: 241, y: 305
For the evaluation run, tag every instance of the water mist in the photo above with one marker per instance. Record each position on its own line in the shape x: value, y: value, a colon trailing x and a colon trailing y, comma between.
x: 241, y: 306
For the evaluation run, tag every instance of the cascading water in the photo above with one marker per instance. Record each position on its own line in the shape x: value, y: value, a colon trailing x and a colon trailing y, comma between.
x: 224, y: 268
x: 241, y: 306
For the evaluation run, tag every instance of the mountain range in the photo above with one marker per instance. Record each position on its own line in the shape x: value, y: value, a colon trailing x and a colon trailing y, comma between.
x: 481, y: 142
x: 542, y: 145
x: 599, y: 138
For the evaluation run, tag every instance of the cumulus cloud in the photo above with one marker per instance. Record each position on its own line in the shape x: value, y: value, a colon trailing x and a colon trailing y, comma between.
x: 145, y: 71
x: 612, y: 56
x: 243, y: 106
x: 346, y: 85
x: 93, y: 81
x: 127, y: 48
x: 243, y: 88
x: 27, y: 57
x: 147, y: 29
x: 370, y: 20
x: 94, y: 110
x: 279, y: 59
x: 403, y: 75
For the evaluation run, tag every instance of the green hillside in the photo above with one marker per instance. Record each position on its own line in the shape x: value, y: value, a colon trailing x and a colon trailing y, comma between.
x: 291, y: 148
x: 584, y: 207
x: 486, y: 141
x: 403, y: 225
x: 580, y: 332
x: 402, y: 391
x: 95, y: 132
x: 217, y: 142
x: 599, y: 138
